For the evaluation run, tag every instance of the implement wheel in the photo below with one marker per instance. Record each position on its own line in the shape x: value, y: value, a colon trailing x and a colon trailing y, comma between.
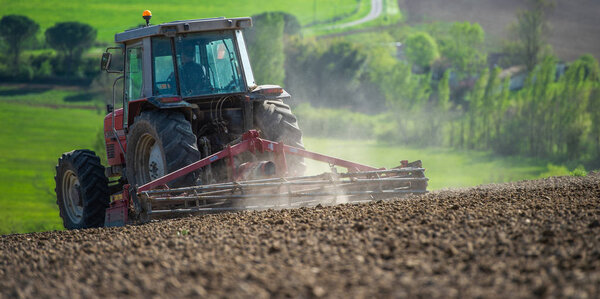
x: 277, y: 123
x: 158, y: 143
x: 81, y: 189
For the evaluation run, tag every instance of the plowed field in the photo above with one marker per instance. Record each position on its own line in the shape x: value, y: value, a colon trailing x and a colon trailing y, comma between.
x: 528, y: 239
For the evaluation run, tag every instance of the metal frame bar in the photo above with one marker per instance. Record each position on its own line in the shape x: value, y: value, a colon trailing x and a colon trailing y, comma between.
x: 252, y: 143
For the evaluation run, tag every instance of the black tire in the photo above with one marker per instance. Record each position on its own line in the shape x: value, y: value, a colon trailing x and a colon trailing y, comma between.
x: 81, y: 189
x: 170, y: 136
x: 277, y: 123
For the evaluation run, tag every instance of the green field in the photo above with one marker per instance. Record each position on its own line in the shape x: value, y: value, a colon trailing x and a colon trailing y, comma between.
x: 445, y: 168
x: 51, y: 96
x: 32, y: 139
x: 111, y: 16
x: 39, y: 124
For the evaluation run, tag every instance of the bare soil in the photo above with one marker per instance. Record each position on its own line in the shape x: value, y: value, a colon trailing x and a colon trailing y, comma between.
x: 528, y: 239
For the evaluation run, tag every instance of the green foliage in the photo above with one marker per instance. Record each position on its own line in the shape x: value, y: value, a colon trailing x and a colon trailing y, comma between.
x: 331, y: 74
x: 594, y: 110
x: 291, y: 23
x: 265, y: 47
x: 444, y: 92
x: 70, y: 39
x: 463, y: 47
x: 555, y: 170
x: 529, y: 43
x: 42, y: 65
x: 341, y: 123
x: 421, y: 49
x: 579, y: 171
x: 14, y: 31
x: 549, y: 118
x: 403, y: 90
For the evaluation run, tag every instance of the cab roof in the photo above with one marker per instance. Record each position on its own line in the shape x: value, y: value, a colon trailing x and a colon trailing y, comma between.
x: 172, y: 28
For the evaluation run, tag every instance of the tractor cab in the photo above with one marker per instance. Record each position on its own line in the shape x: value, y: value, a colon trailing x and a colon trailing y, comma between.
x: 190, y: 59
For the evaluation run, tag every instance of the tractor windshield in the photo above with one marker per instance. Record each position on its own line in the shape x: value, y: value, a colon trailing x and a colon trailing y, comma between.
x: 207, y: 64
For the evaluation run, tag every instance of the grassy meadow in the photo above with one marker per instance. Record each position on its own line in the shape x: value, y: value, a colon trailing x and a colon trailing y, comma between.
x: 32, y: 140
x: 111, y: 16
x: 445, y: 168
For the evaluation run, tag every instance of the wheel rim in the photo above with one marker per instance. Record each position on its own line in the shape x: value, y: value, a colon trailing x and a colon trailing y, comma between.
x: 72, y: 196
x: 149, y: 162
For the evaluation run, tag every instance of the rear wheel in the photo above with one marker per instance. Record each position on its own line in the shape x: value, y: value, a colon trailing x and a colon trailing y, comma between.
x: 277, y: 123
x: 81, y: 189
x: 160, y: 142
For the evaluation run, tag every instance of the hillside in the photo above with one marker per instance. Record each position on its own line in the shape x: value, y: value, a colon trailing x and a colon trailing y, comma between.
x: 112, y: 16
x: 575, y: 25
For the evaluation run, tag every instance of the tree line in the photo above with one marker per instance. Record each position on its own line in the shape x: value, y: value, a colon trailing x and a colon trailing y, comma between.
x: 443, y: 88
x: 69, y: 39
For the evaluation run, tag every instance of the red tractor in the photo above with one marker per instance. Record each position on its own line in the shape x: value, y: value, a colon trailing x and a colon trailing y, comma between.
x: 194, y: 131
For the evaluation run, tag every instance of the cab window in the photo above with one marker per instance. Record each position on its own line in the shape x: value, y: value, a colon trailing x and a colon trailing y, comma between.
x: 133, y: 73
x: 162, y: 64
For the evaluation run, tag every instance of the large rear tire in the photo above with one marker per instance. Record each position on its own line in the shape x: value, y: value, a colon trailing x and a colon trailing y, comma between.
x: 81, y: 190
x: 158, y: 143
x: 277, y: 123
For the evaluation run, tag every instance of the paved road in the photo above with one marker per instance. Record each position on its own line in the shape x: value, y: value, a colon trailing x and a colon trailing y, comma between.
x: 376, y: 9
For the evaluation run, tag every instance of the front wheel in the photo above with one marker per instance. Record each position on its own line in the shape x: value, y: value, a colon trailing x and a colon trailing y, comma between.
x: 81, y: 189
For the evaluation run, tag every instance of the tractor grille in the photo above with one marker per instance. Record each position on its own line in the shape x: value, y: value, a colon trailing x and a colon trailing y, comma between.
x: 110, y: 150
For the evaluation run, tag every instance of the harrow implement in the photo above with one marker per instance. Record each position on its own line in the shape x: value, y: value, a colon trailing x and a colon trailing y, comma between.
x: 264, y: 185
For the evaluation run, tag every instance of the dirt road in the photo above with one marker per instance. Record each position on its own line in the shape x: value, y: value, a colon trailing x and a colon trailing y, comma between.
x: 374, y: 13
x: 528, y: 239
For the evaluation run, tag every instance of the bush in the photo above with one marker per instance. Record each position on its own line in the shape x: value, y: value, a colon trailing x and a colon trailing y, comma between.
x: 42, y: 65
x: 421, y: 49
x: 579, y: 171
x: 340, y: 123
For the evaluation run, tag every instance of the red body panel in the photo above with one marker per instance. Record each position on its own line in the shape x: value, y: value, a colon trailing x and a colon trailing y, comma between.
x: 135, y: 108
x: 114, y: 154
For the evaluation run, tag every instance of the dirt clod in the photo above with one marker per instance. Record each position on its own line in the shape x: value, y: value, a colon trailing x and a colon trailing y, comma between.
x: 528, y: 239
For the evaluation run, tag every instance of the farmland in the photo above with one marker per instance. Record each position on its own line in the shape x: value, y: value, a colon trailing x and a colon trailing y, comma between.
x: 515, y: 240
x: 109, y: 17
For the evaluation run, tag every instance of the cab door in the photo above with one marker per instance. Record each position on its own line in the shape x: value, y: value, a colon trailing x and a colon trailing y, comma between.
x: 134, y: 80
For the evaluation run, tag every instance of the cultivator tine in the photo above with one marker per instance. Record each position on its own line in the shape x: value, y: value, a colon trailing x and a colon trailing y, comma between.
x: 360, y: 183
x: 328, y: 188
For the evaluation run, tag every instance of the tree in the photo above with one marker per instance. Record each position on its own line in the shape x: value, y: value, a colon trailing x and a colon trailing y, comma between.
x: 265, y: 47
x: 530, y: 34
x: 15, y: 30
x: 421, y: 49
x: 444, y: 92
x: 71, y: 39
x: 463, y: 47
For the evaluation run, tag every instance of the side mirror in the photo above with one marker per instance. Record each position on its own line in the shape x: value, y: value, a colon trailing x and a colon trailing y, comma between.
x: 105, y: 62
